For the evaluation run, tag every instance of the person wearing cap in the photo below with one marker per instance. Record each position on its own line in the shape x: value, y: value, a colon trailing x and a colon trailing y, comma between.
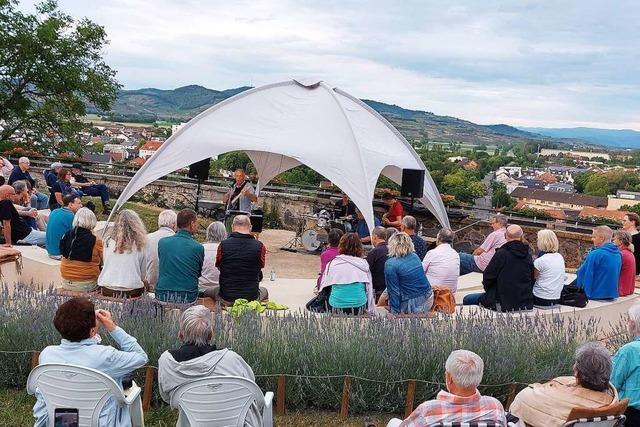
x: 51, y: 175
x: 89, y: 187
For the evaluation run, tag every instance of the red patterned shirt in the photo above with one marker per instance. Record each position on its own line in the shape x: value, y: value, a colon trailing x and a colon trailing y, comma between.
x: 449, y: 408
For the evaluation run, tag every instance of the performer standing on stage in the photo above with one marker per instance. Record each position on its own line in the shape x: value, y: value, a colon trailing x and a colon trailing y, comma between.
x: 240, y: 194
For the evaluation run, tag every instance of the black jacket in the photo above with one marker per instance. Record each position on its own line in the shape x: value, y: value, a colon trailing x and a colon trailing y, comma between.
x: 376, y: 258
x: 508, y: 279
x: 240, y: 260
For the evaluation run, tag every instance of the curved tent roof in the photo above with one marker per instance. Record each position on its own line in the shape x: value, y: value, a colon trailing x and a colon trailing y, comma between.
x: 283, y: 125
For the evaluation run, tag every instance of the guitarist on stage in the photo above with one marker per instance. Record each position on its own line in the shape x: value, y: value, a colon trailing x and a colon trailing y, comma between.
x: 240, y: 194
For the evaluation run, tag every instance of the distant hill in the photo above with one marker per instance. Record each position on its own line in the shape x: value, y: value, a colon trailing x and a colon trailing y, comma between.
x: 625, y: 138
x: 184, y: 103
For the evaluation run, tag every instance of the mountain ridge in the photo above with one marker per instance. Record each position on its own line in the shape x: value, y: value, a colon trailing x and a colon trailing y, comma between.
x: 613, y: 138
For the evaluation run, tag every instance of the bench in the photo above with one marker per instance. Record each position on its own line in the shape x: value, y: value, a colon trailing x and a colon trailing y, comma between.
x: 37, y: 268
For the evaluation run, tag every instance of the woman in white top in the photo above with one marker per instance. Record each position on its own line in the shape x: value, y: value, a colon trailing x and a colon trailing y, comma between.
x: 127, y: 258
x: 216, y: 233
x: 548, y: 270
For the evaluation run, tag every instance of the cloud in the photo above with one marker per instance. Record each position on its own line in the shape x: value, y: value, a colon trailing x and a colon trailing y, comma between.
x: 523, y: 63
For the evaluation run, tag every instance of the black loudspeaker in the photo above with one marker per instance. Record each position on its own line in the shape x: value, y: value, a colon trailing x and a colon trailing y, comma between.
x: 200, y: 170
x: 412, y: 183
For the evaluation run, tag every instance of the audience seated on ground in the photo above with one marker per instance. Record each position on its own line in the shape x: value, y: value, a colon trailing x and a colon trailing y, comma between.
x: 549, y: 404
x: 78, y: 321
x: 21, y: 173
x: 409, y: 225
x: 408, y: 289
x: 362, y: 229
x: 180, y: 259
x: 197, y: 358
x: 166, y: 228
x: 625, y: 374
x: 61, y: 221
x: 15, y: 229
x: 462, y: 402
x: 347, y: 279
x: 376, y: 258
x: 599, y: 273
x: 442, y: 264
x: 631, y: 224
x: 89, y: 187
x: 5, y: 168
x: 479, y: 260
x: 127, y: 261
x: 35, y: 219
x: 81, y: 252
x: 51, y: 175
x: 330, y: 252
x: 508, y: 279
x: 549, y: 270
x: 61, y: 188
x: 627, y: 280
x: 216, y: 233
x: 240, y: 259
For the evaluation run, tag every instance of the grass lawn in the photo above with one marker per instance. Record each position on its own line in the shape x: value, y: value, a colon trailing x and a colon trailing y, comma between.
x: 16, y: 405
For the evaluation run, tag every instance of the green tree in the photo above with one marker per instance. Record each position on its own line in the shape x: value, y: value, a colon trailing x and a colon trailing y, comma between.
x: 580, y: 181
x: 500, y: 198
x: 597, y: 185
x: 50, y: 67
x: 629, y: 208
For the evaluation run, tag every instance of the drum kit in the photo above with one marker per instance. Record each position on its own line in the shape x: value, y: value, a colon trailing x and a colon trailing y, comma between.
x: 315, y: 232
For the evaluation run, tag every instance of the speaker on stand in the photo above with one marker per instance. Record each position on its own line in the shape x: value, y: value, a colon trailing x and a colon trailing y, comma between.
x: 199, y: 171
x: 412, y: 184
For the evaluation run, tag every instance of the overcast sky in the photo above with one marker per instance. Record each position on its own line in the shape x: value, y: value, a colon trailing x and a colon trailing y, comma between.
x: 528, y: 63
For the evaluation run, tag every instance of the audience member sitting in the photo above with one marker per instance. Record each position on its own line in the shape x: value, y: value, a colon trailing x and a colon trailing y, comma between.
x: 408, y: 289
x: 35, y: 219
x: 462, y: 402
x: 508, y: 279
x: 599, y: 273
x: 348, y: 280
x: 362, y: 229
x: 166, y: 228
x: 548, y: 270
x: 14, y: 228
x: 90, y: 188
x: 240, y: 259
x: 376, y: 258
x: 180, y: 258
x: 127, y: 261
x: 330, y: 252
x: 61, y: 188
x: 631, y: 224
x: 442, y: 264
x: 61, y: 221
x: 51, y: 175
x: 627, y: 280
x: 549, y: 404
x: 21, y: 173
x: 196, y: 358
x: 5, y: 168
x: 393, y: 217
x: 479, y: 260
x: 625, y: 375
x: 78, y: 321
x: 81, y: 254
x: 216, y: 233
x: 409, y: 225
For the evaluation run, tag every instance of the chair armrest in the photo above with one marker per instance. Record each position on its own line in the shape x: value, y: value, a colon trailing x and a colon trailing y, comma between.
x: 131, y: 394
x: 267, y: 412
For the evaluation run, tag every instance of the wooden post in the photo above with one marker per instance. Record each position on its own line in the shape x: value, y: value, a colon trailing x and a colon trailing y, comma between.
x: 346, y: 395
x: 147, y: 392
x: 410, y: 398
x: 280, y: 393
x: 510, y: 396
x: 35, y: 356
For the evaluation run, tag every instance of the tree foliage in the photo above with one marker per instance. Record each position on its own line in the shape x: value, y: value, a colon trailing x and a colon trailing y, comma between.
x: 629, y: 208
x: 51, y: 66
x: 597, y: 185
x: 500, y: 198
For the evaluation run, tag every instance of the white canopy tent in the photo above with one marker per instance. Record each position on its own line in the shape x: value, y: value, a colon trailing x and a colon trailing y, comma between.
x: 283, y: 125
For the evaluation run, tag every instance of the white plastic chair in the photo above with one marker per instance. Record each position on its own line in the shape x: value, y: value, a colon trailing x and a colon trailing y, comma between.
x: 606, y: 421
x: 221, y: 401
x: 69, y: 386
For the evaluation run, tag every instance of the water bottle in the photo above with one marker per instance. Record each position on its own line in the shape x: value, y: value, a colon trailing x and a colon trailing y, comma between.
x: 272, y: 274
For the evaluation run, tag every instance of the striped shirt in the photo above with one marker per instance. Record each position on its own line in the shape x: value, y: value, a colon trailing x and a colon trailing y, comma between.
x: 449, y: 408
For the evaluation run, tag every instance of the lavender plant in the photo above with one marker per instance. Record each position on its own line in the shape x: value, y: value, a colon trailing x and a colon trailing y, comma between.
x: 379, y: 354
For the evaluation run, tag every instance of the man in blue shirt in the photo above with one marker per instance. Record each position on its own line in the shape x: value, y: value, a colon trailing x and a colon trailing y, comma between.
x: 599, y: 273
x: 362, y: 229
x: 21, y: 173
x: 409, y: 225
x: 625, y: 375
x: 60, y: 221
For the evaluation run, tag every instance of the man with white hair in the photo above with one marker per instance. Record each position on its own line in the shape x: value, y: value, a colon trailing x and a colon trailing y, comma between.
x: 479, y: 260
x: 462, y: 403
x: 599, y: 272
x: 196, y: 358
x: 166, y: 228
x: 51, y: 175
x: 21, y: 173
x: 625, y: 374
x: 409, y: 225
x: 442, y: 263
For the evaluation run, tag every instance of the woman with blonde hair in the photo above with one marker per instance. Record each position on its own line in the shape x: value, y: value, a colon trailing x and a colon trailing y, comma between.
x: 627, y: 281
x: 408, y: 288
x: 127, y: 258
x: 549, y: 270
x: 81, y: 253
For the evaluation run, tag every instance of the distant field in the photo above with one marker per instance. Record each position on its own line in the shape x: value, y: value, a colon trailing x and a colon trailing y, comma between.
x: 95, y: 119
